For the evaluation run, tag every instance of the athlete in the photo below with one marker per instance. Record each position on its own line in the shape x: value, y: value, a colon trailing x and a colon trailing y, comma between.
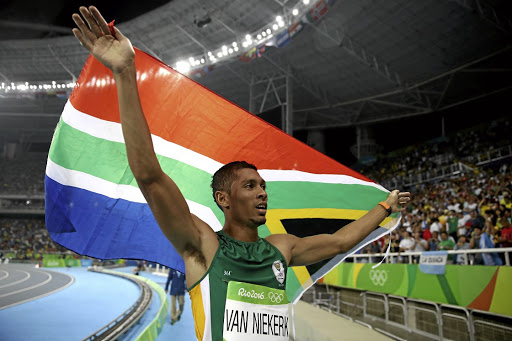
x: 236, y: 280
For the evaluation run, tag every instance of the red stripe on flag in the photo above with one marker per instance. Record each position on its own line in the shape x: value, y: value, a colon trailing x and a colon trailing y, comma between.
x: 186, y: 113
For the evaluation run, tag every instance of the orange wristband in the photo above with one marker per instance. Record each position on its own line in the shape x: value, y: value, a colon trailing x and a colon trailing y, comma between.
x: 386, y: 207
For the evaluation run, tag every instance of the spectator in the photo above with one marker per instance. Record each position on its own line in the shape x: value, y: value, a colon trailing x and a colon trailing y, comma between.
x: 420, y: 244
x: 433, y: 243
x: 474, y: 243
x: 453, y: 224
x: 506, y: 201
x: 407, y: 242
x: 435, y: 226
x: 462, y: 244
x: 446, y: 244
x: 461, y: 223
x: 505, y: 236
x: 486, y: 242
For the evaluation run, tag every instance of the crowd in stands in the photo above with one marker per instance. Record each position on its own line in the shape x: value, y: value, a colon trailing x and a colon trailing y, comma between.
x: 26, y: 238
x: 21, y: 204
x: 431, y: 156
x: 471, y: 211
x: 24, y: 175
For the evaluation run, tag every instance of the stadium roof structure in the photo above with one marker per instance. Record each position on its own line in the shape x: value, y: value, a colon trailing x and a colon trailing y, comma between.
x: 332, y: 63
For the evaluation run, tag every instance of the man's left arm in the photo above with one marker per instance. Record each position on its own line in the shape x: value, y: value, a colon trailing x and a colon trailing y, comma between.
x: 309, y: 250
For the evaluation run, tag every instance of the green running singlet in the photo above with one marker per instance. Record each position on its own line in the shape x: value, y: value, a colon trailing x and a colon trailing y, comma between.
x: 259, y: 263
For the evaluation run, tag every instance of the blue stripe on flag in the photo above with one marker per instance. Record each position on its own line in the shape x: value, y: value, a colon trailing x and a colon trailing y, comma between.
x: 101, y: 227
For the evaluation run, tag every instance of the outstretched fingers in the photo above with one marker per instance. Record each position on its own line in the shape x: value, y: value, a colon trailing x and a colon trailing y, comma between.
x: 91, y: 21
x: 83, y: 41
x: 99, y: 19
x: 83, y: 33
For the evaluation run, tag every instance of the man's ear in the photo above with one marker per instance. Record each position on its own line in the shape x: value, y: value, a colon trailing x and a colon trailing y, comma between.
x: 222, y: 199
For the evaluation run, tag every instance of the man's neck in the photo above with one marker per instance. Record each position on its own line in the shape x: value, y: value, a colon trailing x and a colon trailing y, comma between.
x: 241, y: 232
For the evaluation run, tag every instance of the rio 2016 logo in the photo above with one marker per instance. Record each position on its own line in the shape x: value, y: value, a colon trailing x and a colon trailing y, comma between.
x: 378, y: 277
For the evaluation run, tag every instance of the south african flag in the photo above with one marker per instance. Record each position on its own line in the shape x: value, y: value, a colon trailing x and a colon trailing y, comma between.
x: 93, y: 204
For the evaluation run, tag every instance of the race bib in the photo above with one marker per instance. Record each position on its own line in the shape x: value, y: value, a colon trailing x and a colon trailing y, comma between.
x: 255, y: 312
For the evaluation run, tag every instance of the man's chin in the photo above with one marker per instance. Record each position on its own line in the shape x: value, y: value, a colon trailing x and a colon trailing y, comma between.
x: 259, y: 221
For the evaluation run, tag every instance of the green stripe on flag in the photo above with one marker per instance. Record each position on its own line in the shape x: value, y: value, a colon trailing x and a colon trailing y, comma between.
x: 107, y: 160
x: 283, y: 195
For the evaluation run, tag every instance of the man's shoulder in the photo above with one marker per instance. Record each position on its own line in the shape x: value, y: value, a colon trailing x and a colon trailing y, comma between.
x: 280, y: 238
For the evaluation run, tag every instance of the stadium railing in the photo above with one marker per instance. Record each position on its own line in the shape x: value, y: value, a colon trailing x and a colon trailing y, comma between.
x: 393, y: 257
x: 114, y: 329
x: 403, y: 318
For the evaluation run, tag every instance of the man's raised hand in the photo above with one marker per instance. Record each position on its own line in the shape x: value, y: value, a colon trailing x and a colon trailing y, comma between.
x: 116, y: 53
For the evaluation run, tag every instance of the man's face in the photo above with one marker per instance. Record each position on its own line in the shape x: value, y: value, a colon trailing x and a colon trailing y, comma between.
x: 444, y: 236
x: 248, y: 198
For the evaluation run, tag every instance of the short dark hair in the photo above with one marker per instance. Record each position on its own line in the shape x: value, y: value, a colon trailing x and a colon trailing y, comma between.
x: 225, y: 175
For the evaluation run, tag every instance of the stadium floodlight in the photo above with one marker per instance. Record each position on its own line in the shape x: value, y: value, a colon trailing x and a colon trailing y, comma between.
x: 182, y: 66
x: 295, y: 11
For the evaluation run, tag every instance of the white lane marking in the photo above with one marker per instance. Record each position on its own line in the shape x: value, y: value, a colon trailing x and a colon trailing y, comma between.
x: 6, y: 275
x: 31, y: 287
x: 45, y: 294
x: 16, y: 282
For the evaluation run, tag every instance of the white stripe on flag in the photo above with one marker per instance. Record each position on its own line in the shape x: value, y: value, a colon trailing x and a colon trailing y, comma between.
x: 293, y: 175
x: 111, y: 131
x: 109, y: 189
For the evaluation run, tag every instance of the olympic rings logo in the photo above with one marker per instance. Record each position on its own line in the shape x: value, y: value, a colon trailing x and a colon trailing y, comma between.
x: 378, y: 277
x: 275, y: 297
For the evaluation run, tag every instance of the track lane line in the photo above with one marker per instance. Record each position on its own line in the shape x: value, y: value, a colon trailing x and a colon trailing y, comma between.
x: 72, y: 280
x: 7, y: 274
x: 16, y: 282
x: 31, y: 287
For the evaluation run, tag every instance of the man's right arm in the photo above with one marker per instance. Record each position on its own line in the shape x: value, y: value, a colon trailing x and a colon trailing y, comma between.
x: 163, y: 196
x: 185, y: 231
